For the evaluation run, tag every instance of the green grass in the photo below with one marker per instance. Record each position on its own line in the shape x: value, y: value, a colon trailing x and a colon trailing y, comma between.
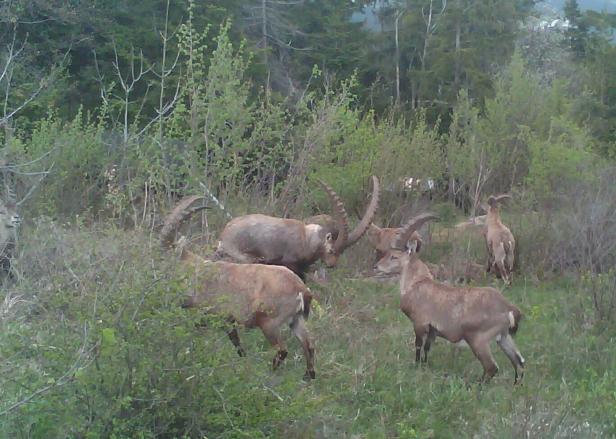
x: 188, y: 382
x: 368, y: 384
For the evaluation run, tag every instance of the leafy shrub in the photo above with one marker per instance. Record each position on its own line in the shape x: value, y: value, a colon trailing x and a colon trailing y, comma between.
x: 96, y: 345
x: 599, y: 294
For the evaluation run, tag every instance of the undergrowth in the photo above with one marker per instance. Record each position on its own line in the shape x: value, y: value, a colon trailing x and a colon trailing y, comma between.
x: 94, y: 344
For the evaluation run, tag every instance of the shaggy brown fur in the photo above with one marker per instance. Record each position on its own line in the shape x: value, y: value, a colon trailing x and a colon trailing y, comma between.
x: 253, y: 295
x: 475, y: 315
x: 292, y: 243
x: 500, y: 243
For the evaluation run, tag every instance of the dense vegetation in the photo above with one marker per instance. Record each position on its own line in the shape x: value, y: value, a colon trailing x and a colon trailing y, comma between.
x: 113, y: 110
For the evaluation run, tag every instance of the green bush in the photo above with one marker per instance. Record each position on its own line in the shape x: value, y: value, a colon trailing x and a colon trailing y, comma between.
x: 97, y: 329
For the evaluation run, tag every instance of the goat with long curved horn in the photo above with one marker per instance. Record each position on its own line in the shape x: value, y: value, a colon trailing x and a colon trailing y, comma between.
x: 342, y: 219
x: 292, y: 243
x: 254, y: 295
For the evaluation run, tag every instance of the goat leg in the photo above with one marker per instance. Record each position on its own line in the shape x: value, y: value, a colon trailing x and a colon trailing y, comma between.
x: 508, y: 346
x: 420, y: 331
x: 429, y: 339
x: 299, y: 329
x: 235, y: 339
x: 481, y: 349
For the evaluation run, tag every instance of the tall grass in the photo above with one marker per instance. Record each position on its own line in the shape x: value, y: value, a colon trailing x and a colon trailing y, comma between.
x: 101, y: 304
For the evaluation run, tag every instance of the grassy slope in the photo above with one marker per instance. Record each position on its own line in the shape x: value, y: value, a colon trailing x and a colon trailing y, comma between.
x: 367, y: 382
x: 369, y: 386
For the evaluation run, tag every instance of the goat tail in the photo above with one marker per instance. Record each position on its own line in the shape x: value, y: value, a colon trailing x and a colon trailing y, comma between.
x: 307, y: 298
x: 515, y: 315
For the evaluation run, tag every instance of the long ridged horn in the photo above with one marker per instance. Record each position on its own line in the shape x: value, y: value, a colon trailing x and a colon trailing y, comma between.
x: 408, y: 229
x: 363, y: 225
x: 494, y: 199
x: 341, y: 216
x: 180, y: 213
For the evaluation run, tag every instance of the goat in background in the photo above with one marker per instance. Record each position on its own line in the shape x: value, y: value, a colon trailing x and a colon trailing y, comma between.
x: 499, y: 241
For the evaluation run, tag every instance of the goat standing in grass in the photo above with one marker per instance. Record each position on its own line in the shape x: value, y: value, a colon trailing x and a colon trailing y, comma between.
x: 255, y: 295
x: 474, y: 315
x: 499, y: 241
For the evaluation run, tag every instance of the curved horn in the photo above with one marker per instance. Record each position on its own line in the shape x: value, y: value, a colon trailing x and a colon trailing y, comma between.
x: 180, y: 213
x: 408, y: 229
x: 494, y: 199
x: 363, y: 225
x: 502, y: 197
x: 341, y: 215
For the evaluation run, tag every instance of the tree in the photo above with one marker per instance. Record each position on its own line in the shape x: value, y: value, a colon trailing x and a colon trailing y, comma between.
x: 577, y: 32
x: 270, y: 25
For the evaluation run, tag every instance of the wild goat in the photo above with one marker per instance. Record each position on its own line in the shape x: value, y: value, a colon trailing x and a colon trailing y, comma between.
x: 474, y: 315
x: 499, y: 241
x: 452, y: 271
x: 382, y: 238
x: 456, y: 271
x: 292, y: 243
x: 9, y: 221
x: 254, y: 295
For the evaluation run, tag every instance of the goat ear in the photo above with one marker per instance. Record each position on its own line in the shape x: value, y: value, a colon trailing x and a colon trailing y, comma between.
x: 411, y: 246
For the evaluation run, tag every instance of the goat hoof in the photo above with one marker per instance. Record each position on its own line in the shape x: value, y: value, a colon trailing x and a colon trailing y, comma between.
x: 278, y: 359
x: 309, y: 375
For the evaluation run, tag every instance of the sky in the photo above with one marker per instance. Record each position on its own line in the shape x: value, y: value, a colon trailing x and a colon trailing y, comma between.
x: 597, y: 5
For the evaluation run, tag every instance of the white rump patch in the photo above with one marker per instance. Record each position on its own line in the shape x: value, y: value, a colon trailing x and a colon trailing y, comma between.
x: 511, y: 319
x: 313, y: 228
x: 300, y: 304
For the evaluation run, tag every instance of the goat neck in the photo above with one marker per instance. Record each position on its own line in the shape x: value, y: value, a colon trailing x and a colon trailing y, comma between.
x: 413, y: 272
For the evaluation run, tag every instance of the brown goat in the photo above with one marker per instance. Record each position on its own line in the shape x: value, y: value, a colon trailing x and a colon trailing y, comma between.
x: 292, y: 243
x: 474, y: 315
x: 499, y: 241
x: 382, y: 238
x: 451, y: 271
x: 253, y: 295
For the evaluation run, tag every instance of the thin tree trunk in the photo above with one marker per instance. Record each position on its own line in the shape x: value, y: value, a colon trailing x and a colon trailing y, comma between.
x: 398, y: 16
x: 265, y: 47
x: 456, y: 78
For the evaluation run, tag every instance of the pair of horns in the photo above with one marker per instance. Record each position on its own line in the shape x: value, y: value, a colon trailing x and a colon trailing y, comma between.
x: 407, y: 230
x: 345, y: 238
x: 493, y: 200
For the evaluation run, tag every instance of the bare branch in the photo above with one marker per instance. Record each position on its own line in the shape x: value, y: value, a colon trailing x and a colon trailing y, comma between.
x: 84, y: 359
